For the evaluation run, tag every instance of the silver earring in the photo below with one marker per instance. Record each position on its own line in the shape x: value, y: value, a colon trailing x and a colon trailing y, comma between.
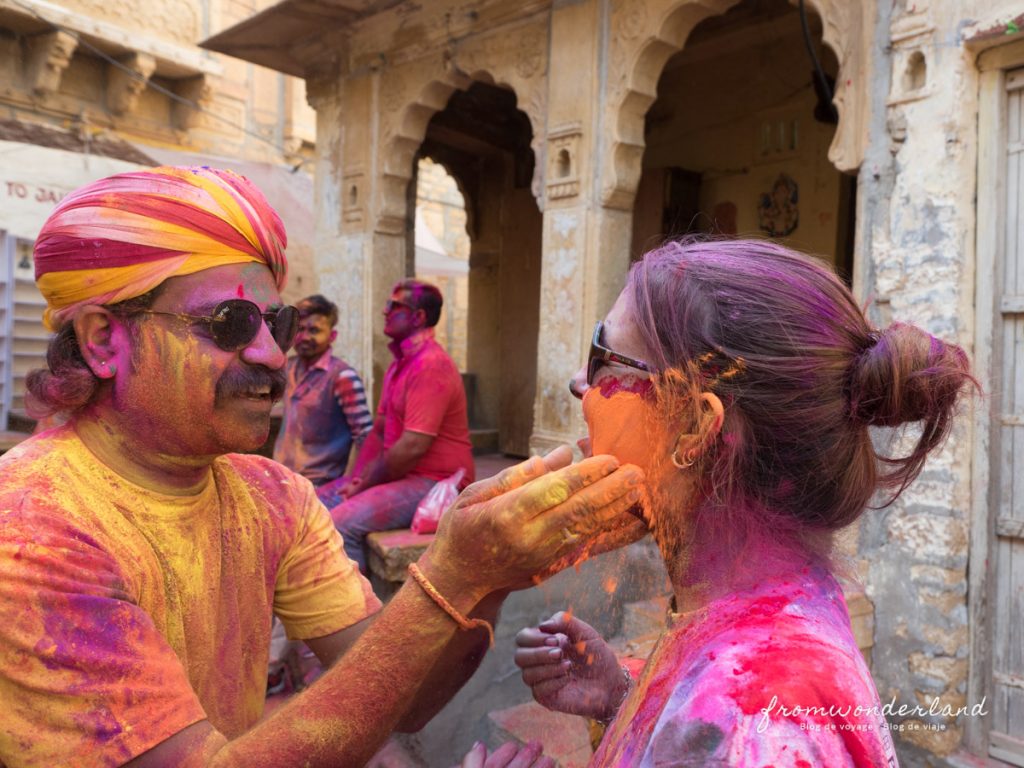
x: 688, y: 460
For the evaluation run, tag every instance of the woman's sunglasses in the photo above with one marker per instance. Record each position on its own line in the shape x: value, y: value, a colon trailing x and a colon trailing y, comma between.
x: 600, y: 354
x: 236, y: 322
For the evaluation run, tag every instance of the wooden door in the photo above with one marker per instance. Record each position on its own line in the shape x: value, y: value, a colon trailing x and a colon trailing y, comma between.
x: 1006, y: 737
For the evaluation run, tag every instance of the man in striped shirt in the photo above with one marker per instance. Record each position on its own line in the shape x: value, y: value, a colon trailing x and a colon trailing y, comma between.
x: 325, y: 410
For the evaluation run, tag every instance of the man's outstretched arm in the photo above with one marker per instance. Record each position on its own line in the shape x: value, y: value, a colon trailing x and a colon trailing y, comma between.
x: 452, y: 670
x: 498, y: 535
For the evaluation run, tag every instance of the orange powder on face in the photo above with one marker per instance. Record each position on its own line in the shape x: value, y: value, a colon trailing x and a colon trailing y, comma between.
x: 622, y: 422
x: 631, y: 422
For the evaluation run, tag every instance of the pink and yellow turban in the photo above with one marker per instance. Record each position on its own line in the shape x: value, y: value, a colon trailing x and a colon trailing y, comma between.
x: 122, y: 236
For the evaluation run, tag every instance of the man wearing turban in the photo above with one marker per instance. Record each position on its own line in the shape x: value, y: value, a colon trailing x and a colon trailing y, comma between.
x: 141, y: 558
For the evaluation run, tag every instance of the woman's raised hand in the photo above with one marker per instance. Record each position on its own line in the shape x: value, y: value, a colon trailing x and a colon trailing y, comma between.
x: 570, y: 668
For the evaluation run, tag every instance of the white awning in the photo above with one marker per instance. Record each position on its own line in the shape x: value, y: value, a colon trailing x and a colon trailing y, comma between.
x: 431, y: 257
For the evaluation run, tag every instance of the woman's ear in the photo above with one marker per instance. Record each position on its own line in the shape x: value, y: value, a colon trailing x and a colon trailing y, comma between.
x: 711, y: 418
x: 690, y: 445
x: 94, y: 331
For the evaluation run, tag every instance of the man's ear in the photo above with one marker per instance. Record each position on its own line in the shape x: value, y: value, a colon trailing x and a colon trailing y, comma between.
x: 333, y: 336
x: 419, y: 318
x: 94, y: 329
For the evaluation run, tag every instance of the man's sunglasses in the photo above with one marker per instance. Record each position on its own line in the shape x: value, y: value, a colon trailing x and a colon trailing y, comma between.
x: 392, y: 305
x: 600, y: 354
x: 236, y: 322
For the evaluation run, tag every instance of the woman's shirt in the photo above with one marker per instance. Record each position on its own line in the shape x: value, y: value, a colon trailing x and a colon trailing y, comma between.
x: 767, y: 677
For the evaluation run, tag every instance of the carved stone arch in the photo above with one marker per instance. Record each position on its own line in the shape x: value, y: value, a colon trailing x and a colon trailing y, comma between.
x: 401, y: 143
x: 643, y: 43
x: 846, y: 29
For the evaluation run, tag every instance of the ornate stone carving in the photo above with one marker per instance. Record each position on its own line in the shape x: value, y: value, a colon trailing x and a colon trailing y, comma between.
x: 48, y: 55
x: 353, y: 185
x: 176, y: 20
x: 847, y: 31
x: 530, y: 58
x: 636, y: 60
x: 198, y: 91
x: 563, y: 171
x: 126, y: 83
x: 912, y: 34
x: 633, y: 20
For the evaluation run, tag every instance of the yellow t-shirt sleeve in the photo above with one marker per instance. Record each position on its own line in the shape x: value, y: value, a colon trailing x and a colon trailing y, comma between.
x: 318, y: 590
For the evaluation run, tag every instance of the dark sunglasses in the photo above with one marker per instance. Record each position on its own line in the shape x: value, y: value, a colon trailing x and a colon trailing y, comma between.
x: 236, y: 322
x: 600, y: 354
x: 393, y: 305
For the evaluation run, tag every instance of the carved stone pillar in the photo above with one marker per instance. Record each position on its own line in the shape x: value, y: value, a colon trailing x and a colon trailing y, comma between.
x: 586, y: 245
x: 48, y: 55
x: 345, y: 250
x: 126, y: 83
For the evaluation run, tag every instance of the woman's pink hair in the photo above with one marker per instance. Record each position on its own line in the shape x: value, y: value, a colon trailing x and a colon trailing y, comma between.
x: 807, y: 376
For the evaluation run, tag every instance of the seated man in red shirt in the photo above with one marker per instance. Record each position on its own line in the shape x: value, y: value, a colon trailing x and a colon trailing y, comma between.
x: 421, y: 433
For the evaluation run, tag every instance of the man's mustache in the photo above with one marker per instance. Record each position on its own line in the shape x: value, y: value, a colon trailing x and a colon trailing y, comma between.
x: 241, y: 381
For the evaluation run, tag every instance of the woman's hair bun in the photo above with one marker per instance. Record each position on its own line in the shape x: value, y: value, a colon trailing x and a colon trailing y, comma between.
x: 906, y: 375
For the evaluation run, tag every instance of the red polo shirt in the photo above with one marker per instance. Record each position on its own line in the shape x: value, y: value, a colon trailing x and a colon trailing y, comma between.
x: 423, y: 393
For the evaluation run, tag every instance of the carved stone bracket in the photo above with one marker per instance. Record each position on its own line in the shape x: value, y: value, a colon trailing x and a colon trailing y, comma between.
x: 126, y: 83
x: 563, y: 174
x: 199, y: 92
x: 642, y: 41
x: 48, y: 55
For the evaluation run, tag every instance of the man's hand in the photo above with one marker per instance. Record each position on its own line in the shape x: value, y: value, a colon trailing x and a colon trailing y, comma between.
x: 570, y: 668
x: 514, y: 530
x: 351, y: 488
x: 508, y: 755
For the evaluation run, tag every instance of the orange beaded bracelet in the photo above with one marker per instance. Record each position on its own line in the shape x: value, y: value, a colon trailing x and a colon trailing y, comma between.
x: 447, y: 607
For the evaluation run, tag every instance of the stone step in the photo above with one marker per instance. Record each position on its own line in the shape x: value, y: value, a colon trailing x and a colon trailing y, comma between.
x: 392, y: 551
x: 566, y: 738
x: 394, y: 755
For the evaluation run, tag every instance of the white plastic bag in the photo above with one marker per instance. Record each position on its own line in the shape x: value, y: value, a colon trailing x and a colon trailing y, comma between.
x: 437, y: 500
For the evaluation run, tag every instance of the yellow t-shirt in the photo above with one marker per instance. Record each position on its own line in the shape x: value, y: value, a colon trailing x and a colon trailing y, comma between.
x: 127, y: 615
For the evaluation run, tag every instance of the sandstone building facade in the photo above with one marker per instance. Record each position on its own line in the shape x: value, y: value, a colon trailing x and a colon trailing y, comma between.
x: 581, y: 130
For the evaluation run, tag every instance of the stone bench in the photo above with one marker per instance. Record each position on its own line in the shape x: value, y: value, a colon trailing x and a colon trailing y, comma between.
x: 389, y: 555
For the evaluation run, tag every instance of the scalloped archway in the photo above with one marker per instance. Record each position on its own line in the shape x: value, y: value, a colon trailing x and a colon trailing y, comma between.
x: 641, y: 46
x: 402, y: 142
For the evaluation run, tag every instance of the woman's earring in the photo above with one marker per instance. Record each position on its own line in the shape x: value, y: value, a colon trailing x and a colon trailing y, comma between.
x: 688, y: 460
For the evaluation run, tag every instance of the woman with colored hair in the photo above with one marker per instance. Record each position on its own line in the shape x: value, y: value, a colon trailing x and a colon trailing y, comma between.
x: 744, y: 379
